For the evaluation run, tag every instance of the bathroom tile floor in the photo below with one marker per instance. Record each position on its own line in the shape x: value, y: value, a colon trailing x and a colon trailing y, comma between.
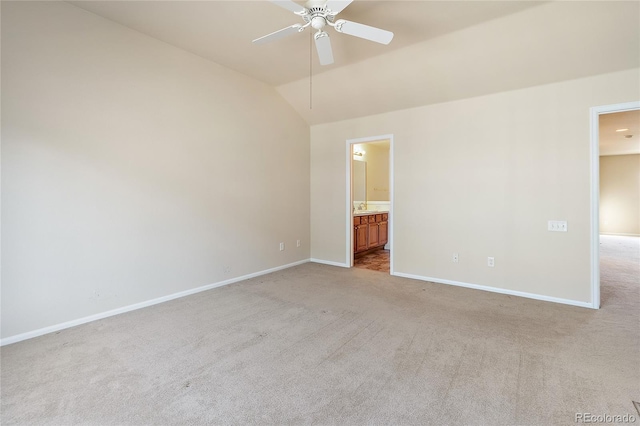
x: 378, y: 260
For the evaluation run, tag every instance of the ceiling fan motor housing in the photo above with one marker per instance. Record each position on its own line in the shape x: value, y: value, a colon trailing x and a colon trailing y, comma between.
x: 318, y: 17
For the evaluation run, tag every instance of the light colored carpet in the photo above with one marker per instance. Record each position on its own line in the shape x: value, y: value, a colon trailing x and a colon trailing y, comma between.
x: 325, y: 345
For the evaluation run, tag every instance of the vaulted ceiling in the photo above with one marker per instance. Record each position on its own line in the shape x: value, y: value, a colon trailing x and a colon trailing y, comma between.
x: 442, y: 50
x: 222, y: 31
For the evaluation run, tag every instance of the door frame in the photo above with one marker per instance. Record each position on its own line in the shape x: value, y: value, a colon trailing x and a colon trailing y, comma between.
x: 349, y: 203
x: 595, y: 113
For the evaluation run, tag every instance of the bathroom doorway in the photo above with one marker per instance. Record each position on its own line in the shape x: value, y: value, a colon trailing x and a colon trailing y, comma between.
x: 369, y: 203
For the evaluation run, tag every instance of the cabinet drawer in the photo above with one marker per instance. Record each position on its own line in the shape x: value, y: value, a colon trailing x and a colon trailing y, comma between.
x: 378, y: 218
x: 356, y: 220
x: 372, y: 218
x: 385, y: 217
x: 364, y: 219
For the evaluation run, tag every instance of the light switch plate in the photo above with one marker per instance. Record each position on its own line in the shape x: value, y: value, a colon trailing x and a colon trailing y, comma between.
x: 557, y: 226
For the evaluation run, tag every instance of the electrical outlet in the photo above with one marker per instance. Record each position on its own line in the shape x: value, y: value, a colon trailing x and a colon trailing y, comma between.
x: 297, y: 243
x: 455, y: 257
x: 281, y: 246
x: 557, y: 226
x: 490, y: 262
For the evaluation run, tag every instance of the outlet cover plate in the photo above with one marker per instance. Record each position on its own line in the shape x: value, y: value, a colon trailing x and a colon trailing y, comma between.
x: 557, y: 226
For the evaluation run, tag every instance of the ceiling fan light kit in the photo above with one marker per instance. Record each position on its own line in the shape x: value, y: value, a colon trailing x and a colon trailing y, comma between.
x: 321, y: 13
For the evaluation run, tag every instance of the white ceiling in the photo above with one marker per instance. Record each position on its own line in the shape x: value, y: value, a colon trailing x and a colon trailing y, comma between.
x: 615, y: 143
x: 442, y: 50
x: 222, y: 31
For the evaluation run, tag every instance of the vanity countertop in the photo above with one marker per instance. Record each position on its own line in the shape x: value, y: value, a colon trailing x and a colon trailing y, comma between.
x: 368, y: 212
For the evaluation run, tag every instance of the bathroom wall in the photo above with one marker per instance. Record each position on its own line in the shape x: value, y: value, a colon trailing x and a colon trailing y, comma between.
x: 378, y: 176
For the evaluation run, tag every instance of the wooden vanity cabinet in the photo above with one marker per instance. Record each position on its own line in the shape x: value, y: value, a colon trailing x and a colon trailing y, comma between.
x: 370, y: 231
x: 383, y: 233
x: 360, y: 230
x: 373, y: 231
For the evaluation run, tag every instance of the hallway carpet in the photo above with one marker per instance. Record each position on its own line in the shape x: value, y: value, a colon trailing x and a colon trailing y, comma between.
x: 619, y: 268
x: 317, y: 344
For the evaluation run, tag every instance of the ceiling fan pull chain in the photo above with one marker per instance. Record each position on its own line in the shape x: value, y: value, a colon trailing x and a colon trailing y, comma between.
x: 310, y: 70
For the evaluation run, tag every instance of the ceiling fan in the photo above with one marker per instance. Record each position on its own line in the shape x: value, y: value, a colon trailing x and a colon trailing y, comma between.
x: 318, y: 14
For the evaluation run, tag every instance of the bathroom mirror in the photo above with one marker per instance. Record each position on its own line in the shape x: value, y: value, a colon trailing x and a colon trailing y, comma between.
x: 359, y: 174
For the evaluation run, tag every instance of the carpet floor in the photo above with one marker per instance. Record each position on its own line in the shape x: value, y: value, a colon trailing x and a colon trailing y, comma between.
x: 316, y: 344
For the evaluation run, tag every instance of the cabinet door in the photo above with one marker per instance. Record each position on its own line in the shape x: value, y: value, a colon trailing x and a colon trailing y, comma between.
x: 383, y: 233
x: 361, y: 237
x: 373, y: 235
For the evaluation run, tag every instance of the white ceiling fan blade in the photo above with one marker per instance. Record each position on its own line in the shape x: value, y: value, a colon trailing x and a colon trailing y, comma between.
x: 337, y: 6
x: 289, y: 5
x: 323, y: 45
x: 278, y: 34
x: 364, y: 31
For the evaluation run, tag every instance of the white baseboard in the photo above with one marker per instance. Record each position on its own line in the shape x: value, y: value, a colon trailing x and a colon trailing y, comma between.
x: 498, y: 290
x: 620, y: 235
x: 79, y: 321
x: 328, y: 262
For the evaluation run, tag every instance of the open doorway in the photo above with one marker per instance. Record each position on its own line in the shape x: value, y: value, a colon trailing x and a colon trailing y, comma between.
x: 619, y: 210
x: 369, y: 203
x: 615, y: 202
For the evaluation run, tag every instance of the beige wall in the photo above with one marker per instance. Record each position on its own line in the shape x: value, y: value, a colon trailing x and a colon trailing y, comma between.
x: 480, y: 177
x: 131, y: 171
x: 377, y: 172
x: 620, y: 194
